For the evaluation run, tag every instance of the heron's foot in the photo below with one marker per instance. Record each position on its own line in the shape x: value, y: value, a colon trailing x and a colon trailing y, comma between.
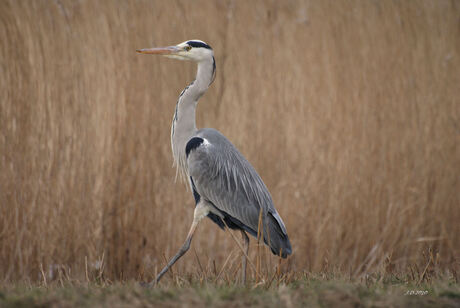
x: 147, y: 285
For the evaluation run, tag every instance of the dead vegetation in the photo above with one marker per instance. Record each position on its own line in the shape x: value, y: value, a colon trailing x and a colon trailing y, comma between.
x: 305, y: 291
x: 349, y: 111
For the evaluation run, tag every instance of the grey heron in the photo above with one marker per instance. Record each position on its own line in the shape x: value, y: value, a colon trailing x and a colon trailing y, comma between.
x: 225, y: 186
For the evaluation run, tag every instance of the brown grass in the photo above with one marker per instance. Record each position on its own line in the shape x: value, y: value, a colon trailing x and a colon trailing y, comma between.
x: 311, y: 291
x: 349, y: 110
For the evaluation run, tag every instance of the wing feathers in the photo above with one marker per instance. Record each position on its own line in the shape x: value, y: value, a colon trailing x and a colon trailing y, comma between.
x: 222, y: 176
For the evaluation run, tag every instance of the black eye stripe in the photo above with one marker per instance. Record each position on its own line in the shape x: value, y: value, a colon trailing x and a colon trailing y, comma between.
x: 197, y: 44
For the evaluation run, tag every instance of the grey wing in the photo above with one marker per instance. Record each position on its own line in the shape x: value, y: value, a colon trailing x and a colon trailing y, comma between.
x: 223, y: 177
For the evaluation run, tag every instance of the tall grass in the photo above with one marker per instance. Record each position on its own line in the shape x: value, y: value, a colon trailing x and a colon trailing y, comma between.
x: 349, y: 110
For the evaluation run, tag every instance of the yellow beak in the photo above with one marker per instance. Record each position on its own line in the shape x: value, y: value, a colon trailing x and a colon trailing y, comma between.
x: 169, y: 50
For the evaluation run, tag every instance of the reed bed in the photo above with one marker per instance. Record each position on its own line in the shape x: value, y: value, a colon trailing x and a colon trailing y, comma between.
x: 349, y: 110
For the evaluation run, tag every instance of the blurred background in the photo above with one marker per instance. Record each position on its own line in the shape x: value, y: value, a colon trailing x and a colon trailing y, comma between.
x: 349, y: 110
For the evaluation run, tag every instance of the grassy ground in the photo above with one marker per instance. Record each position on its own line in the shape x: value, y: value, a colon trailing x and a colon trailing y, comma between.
x: 316, y: 291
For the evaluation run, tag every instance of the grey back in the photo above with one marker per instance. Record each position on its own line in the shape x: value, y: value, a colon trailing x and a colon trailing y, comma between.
x: 223, y: 177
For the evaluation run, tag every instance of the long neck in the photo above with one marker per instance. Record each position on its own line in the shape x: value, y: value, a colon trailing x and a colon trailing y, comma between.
x: 184, y: 123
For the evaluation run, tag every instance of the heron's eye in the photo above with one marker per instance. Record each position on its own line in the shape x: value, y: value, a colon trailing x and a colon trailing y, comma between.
x: 187, y: 48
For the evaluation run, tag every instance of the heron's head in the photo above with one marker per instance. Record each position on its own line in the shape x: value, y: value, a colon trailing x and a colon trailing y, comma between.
x: 193, y: 50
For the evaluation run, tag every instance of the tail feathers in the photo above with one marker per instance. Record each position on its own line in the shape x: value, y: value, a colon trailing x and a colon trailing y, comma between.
x: 278, y: 238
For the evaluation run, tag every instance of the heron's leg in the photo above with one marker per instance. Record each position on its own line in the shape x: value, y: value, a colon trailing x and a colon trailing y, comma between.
x: 246, y: 251
x: 201, y: 211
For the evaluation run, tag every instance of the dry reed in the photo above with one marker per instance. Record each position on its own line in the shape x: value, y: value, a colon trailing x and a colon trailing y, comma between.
x: 349, y: 110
